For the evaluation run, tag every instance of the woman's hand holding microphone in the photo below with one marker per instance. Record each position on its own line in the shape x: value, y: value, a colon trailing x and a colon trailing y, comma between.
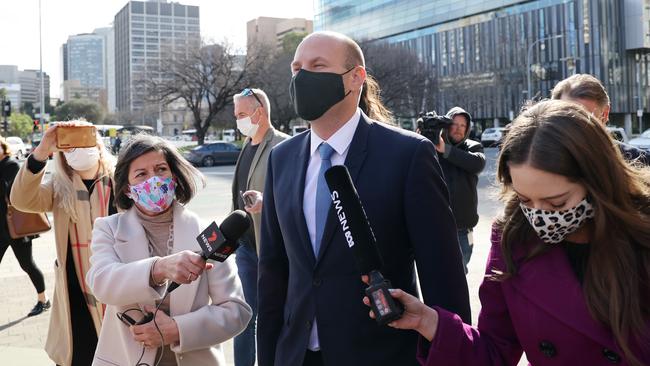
x: 417, y: 316
x: 182, y: 267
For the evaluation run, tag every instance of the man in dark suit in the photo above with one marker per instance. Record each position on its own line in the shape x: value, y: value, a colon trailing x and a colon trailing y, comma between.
x: 310, y: 291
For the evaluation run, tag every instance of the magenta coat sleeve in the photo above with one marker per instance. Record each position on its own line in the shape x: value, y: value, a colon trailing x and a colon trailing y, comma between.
x: 493, y: 342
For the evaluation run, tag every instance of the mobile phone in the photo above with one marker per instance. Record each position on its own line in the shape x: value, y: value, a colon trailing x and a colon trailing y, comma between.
x: 248, y: 200
x: 68, y: 137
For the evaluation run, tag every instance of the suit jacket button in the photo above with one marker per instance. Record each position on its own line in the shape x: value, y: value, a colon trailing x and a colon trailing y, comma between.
x: 547, y: 348
x: 317, y: 282
x: 611, y: 356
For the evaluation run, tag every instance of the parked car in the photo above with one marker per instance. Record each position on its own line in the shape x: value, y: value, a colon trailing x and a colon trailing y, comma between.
x: 229, y: 135
x: 18, y: 147
x: 492, y: 136
x: 618, y: 133
x: 642, y: 142
x: 220, y: 152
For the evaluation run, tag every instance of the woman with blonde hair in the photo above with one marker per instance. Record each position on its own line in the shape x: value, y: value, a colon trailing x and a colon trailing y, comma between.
x: 80, y: 191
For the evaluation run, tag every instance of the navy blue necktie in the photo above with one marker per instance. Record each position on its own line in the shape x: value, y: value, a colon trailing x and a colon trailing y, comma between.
x: 323, y: 198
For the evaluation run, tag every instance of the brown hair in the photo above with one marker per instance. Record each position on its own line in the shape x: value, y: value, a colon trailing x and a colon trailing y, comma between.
x: 370, y: 100
x: 6, y: 149
x: 187, y: 176
x: 560, y: 137
x: 581, y: 86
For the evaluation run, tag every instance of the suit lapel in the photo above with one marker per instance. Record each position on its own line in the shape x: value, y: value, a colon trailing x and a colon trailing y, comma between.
x: 549, y: 282
x: 298, y: 194
x: 256, y: 159
x: 130, y: 238
x: 184, y: 239
x: 356, y: 155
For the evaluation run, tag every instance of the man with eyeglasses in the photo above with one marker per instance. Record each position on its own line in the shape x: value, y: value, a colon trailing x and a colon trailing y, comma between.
x: 252, y: 111
x: 462, y: 160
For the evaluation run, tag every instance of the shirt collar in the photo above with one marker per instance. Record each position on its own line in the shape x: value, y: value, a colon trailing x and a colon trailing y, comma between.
x: 341, y: 139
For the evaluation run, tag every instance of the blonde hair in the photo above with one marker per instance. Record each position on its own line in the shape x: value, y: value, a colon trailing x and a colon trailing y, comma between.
x: 5, y: 146
x: 63, y: 174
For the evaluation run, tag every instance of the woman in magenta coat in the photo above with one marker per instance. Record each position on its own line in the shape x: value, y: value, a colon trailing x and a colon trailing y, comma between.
x: 568, y: 276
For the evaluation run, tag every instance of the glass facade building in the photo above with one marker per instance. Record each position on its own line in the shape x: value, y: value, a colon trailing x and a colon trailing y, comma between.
x: 481, y: 52
x: 143, y: 32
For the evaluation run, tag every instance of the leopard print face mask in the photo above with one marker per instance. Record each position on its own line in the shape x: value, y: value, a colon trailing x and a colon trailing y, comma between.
x: 553, y: 226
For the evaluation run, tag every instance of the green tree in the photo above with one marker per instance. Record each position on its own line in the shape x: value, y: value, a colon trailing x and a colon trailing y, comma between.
x: 20, y: 124
x: 80, y: 108
x: 3, y: 93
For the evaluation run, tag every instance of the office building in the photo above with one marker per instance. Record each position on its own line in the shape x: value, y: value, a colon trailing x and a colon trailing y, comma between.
x: 145, y: 32
x: 485, y: 54
x: 86, y: 71
x: 268, y: 32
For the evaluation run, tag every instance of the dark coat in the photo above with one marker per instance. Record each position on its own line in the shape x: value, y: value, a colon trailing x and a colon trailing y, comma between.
x: 406, y: 201
x: 8, y: 169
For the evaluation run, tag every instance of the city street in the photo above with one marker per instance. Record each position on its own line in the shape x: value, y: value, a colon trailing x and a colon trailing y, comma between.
x: 22, y: 339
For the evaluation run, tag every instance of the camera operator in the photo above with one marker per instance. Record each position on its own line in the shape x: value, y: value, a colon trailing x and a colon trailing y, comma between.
x: 462, y: 160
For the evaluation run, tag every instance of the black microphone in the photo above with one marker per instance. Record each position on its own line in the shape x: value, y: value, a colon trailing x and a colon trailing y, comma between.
x: 361, y: 239
x: 218, y: 243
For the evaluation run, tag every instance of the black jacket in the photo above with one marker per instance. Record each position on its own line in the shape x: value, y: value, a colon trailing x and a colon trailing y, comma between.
x: 8, y: 170
x: 631, y: 153
x: 461, y: 164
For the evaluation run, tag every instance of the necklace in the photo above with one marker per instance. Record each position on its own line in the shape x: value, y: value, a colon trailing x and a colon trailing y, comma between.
x: 170, y: 241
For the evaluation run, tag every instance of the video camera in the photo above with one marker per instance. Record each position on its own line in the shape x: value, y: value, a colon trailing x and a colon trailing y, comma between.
x: 431, y: 124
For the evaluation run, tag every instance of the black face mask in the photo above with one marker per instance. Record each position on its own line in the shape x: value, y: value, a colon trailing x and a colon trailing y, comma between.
x: 314, y: 93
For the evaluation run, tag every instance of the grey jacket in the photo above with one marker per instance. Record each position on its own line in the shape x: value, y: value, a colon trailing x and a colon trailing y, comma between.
x: 257, y: 173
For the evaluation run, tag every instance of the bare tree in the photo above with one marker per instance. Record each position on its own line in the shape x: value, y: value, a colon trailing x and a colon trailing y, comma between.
x: 406, y: 82
x: 205, y: 78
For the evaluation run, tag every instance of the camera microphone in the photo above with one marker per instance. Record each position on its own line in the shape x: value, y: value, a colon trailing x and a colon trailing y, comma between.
x: 218, y: 243
x: 360, y: 238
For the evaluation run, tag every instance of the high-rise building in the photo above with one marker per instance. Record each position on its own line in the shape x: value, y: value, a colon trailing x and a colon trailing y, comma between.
x: 268, y: 32
x: 109, y: 64
x: 13, y: 94
x: 30, y: 86
x: 145, y: 32
x: 86, y: 70
x: 485, y: 54
x: 26, y: 83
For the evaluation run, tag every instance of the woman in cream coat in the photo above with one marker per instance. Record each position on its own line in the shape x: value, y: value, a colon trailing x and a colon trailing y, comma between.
x: 134, y: 256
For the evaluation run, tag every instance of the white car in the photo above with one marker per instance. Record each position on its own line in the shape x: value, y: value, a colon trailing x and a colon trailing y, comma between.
x: 642, y: 142
x: 618, y: 133
x: 492, y: 136
x: 19, y: 149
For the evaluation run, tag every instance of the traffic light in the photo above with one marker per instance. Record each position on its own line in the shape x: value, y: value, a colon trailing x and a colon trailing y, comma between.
x: 6, y: 109
x: 35, y: 125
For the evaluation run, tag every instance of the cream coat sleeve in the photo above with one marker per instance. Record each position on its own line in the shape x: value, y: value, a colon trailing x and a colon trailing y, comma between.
x: 29, y: 193
x: 226, y: 316
x: 113, y: 282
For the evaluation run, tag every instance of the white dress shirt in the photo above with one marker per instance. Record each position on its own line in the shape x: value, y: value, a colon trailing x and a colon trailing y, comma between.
x: 340, y: 141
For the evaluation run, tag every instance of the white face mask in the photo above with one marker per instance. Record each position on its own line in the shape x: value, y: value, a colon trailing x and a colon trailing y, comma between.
x: 246, y: 127
x: 82, y: 159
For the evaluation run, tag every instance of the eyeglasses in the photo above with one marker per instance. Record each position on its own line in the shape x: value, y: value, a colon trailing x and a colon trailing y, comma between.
x: 248, y: 92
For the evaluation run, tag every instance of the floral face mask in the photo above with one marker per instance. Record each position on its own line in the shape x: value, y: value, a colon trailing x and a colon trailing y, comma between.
x: 155, y: 194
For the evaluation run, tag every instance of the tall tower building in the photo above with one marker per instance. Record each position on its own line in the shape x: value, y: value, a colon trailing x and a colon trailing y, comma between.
x: 145, y: 32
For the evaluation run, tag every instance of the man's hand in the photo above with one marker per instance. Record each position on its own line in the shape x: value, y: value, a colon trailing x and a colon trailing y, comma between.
x: 256, y: 198
x: 440, y: 147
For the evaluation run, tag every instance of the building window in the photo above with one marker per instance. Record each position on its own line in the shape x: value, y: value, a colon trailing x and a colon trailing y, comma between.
x: 152, y: 8
x: 137, y: 25
x: 137, y: 7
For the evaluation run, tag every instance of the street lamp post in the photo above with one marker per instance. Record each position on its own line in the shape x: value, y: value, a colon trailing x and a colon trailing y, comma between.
x: 528, y: 57
x: 40, y: 51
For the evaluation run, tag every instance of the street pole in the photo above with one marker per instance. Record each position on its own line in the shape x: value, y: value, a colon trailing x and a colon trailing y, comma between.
x: 40, y: 50
x: 528, y: 57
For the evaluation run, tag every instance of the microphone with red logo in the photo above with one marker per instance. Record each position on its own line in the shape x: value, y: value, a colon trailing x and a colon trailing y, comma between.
x: 218, y: 243
x: 360, y: 238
